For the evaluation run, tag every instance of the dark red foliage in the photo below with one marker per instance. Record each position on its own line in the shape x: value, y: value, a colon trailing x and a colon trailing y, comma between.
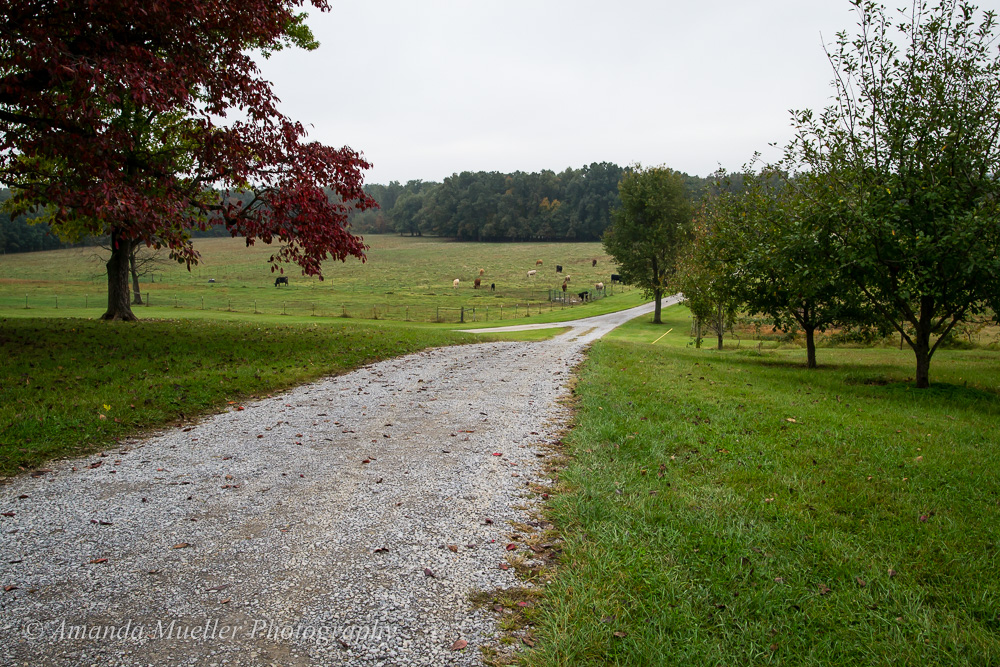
x: 114, y: 113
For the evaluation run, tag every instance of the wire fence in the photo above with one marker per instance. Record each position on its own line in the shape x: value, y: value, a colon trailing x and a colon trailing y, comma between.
x: 538, y: 302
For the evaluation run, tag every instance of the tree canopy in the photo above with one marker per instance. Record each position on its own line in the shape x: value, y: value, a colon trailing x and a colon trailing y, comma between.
x: 651, y: 227
x: 114, y: 117
x: 909, y: 156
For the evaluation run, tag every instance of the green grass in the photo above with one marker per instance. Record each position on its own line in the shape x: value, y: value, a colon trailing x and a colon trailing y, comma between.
x: 68, y: 386
x: 736, y: 508
x: 403, y: 279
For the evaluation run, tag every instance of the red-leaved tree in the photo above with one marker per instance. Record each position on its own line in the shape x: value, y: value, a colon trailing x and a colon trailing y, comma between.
x: 113, y: 116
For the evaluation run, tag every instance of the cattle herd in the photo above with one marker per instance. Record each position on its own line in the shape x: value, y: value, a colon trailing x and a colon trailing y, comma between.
x: 532, y: 273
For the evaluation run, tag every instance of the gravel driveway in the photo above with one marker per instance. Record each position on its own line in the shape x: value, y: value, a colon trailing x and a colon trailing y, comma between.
x: 343, y: 522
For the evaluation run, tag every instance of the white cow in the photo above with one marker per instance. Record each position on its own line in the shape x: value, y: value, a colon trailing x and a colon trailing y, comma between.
x: 531, y: 274
x: 455, y: 283
x: 599, y: 287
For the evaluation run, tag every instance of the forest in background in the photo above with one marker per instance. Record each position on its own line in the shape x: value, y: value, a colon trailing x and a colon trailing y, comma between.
x: 573, y: 205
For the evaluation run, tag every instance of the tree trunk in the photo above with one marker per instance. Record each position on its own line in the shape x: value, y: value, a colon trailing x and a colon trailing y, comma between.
x: 810, y: 347
x: 658, y: 295
x: 118, y: 276
x: 697, y: 332
x: 922, y: 341
x: 721, y: 322
x: 136, y: 294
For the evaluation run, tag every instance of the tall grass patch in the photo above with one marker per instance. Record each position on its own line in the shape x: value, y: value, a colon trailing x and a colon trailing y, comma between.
x: 737, y: 508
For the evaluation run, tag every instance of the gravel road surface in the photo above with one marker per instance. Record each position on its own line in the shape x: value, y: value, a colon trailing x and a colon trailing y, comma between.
x: 344, y: 522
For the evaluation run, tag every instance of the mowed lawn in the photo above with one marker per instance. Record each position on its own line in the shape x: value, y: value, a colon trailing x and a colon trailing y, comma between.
x: 736, y: 508
x: 403, y: 278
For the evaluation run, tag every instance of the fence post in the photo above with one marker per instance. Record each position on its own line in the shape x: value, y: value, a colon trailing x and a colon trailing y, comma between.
x: 230, y: 305
x: 462, y: 320
x: 57, y: 302
x: 203, y: 303
x: 437, y: 314
x: 26, y: 302
x: 255, y: 306
x: 85, y: 300
x: 314, y: 310
x: 343, y: 310
x: 407, y: 316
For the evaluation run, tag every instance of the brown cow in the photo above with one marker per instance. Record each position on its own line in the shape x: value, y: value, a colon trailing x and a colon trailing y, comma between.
x: 538, y: 262
x: 475, y: 285
x: 482, y: 271
x: 593, y: 262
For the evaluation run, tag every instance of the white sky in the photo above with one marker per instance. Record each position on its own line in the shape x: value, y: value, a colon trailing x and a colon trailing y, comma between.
x: 429, y: 88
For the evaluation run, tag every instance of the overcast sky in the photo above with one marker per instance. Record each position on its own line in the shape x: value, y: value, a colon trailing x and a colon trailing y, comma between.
x: 430, y: 88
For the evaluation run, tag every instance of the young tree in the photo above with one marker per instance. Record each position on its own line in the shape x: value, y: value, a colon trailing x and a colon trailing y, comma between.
x: 909, y: 155
x: 649, y: 229
x: 112, y: 115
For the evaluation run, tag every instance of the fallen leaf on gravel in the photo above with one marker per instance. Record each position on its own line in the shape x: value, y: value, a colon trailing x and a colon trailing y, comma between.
x: 497, y: 453
x: 488, y: 521
x: 98, y: 561
x: 6, y: 514
x: 96, y: 464
x: 504, y: 566
x: 366, y: 461
x: 428, y: 572
x: 528, y: 641
x: 182, y: 545
x: 8, y: 589
x: 452, y: 548
x: 220, y: 587
x: 240, y: 408
x: 343, y: 643
x: 522, y: 603
x: 226, y: 601
x: 459, y: 645
x: 381, y: 550
x: 511, y: 547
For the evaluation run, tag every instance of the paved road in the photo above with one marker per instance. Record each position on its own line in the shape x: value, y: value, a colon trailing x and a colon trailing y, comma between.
x: 593, y: 327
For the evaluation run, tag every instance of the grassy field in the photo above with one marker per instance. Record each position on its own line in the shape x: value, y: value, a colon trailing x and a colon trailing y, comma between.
x: 735, y: 508
x: 403, y: 279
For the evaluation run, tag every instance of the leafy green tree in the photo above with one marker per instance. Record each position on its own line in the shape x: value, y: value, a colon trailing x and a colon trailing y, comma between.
x: 909, y: 156
x: 650, y: 229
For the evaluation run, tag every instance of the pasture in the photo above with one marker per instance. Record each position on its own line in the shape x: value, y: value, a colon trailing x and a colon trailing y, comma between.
x: 403, y: 279
x: 737, y: 508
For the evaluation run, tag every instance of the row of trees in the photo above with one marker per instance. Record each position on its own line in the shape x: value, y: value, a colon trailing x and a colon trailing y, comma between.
x: 573, y: 205
x: 884, y: 210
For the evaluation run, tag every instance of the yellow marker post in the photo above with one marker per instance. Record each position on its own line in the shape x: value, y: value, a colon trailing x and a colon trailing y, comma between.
x: 664, y: 334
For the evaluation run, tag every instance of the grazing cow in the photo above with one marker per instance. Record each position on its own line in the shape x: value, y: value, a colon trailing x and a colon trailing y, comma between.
x: 538, y: 262
x: 593, y: 262
x: 558, y: 268
x: 583, y: 295
x: 531, y: 274
x: 281, y: 280
x: 564, y: 287
x: 475, y: 285
x: 566, y: 279
x: 482, y: 272
x: 493, y: 287
x: 454, y: 283
x: 211, y: 280
x: 615, y: 278
x: 599, y: 287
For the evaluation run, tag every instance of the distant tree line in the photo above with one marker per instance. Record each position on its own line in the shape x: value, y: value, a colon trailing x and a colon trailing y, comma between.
x: 20, y: 233
x: 574, y: 205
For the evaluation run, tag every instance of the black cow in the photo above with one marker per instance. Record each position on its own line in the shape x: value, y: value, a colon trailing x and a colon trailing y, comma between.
x: 493, y: 287
x: 615, y: 278
x: 558, y: 268
x: 583, y: 295
x: 281, y: 280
